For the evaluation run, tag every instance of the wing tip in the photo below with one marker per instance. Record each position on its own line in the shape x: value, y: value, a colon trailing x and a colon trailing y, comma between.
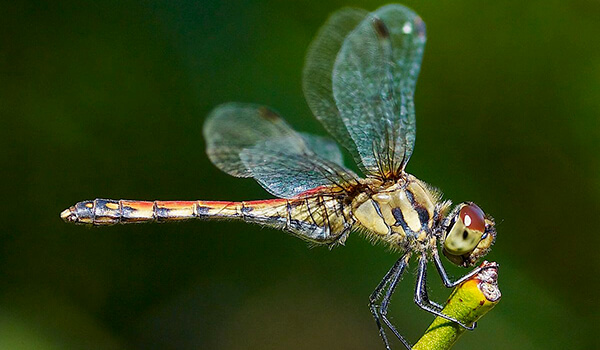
x: 381, y: 29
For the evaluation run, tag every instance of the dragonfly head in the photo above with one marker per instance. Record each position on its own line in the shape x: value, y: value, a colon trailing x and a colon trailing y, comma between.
x: 467, y: 234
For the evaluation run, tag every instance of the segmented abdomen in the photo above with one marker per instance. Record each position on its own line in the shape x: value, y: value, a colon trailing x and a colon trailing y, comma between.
x: 316, y: 218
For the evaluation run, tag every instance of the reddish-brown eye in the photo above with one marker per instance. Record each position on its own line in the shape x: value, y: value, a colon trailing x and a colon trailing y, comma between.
x: 473, y: 217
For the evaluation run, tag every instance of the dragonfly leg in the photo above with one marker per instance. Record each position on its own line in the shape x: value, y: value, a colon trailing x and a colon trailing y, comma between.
x: 444, y: 275
x: 423, y: 290
x: 385, y: 304
x: 436, y: 305
x: 388, y: 284
x: 375, y: 296
x: 422, y: 299
x: 425, y: 297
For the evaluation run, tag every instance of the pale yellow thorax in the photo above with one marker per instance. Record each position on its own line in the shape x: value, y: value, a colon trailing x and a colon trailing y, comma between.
x: 393, y: 213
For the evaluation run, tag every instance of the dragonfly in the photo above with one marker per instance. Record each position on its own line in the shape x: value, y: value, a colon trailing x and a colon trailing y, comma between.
x: 359, y: 81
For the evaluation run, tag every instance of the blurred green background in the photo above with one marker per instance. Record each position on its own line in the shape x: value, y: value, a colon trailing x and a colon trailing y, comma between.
x: 107, y: 99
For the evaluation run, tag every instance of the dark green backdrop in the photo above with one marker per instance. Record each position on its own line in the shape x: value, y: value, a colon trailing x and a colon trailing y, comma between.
x: 107, y: 99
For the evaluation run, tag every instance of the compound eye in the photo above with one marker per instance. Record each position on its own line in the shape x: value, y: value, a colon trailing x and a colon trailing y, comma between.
x: 467, y: 231
x: 473, y: 217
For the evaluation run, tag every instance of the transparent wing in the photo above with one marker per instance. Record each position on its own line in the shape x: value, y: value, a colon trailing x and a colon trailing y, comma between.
x: 233, y: 127
x: 318, y: 67
x: 286, y: 168
x: 247, y: 140
x: 372, y: 84
x: 374, y: 79
x: 324, y: 147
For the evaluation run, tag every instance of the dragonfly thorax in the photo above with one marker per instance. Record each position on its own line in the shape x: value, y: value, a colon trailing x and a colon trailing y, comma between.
x: 399, y: 214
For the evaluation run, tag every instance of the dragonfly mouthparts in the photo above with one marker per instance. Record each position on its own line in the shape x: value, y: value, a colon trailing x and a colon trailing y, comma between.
x: 69, y: 215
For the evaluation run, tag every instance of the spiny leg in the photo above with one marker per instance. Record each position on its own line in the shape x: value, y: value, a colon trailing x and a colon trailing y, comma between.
x: 422, y: 299
x: 433, y: 303
x: 392, y: 277
x: 386, y: 302
x: 375, y: 296
x: 444, y: 275
x: 423, y: 292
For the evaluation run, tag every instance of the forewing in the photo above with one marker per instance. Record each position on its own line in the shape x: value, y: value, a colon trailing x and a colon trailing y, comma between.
x: 317, y: 74
x: 247, y: 140
x: 373, y: 84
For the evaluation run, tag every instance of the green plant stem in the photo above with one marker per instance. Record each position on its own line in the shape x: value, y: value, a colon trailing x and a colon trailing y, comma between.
x: 468, y: 302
